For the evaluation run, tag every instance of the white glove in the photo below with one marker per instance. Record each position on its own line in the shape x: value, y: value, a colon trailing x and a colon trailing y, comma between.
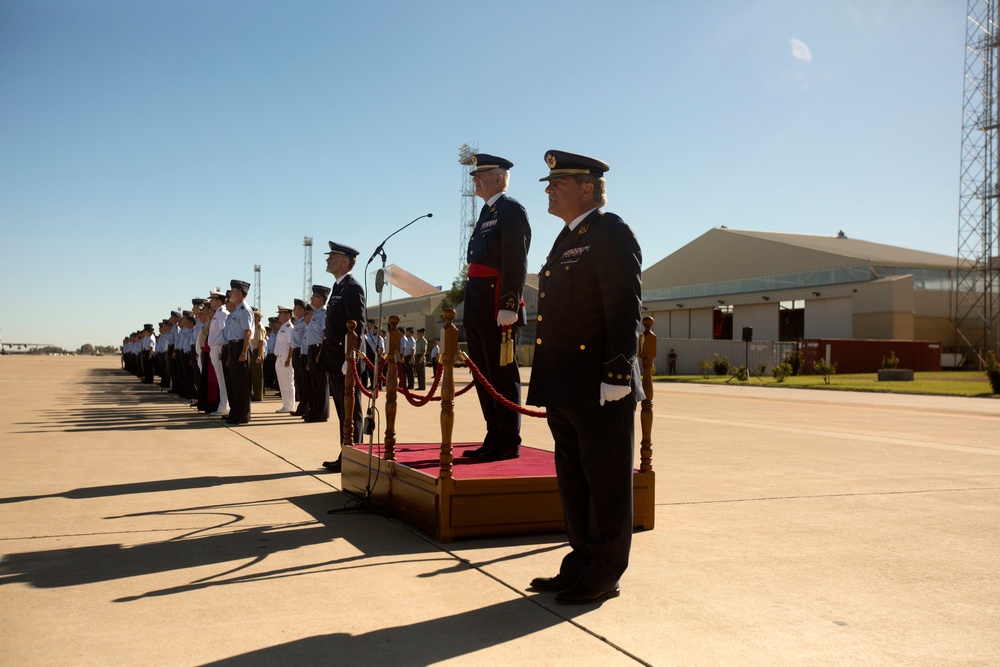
x: 506, y: 318
x: 343, y: 369
x: 614, y: 392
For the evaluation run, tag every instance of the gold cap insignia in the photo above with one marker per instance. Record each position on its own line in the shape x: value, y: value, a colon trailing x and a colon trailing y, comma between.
x: 550, y: 160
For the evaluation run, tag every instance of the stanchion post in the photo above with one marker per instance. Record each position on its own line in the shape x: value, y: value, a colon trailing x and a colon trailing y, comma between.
x: 391, y: 385
x: 450, y: 332
x: 351, y: 355
x: 647, y: 352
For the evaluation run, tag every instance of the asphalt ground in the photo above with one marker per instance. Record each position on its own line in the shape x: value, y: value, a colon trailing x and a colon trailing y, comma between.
x: 793, y: 527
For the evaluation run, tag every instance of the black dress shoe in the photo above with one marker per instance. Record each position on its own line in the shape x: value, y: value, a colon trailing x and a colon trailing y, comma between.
x: 583, y: 594
x: 332, y: 466
x: 491, y: 455
x: 313, y: 420
x: 472, y: 453
x: 558, y: 583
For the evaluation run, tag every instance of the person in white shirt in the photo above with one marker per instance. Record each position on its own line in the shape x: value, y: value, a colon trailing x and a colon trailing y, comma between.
x: 283, y: 360
x: 215, y: 343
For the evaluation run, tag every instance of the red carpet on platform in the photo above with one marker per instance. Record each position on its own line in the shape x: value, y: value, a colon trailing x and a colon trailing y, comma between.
x: 426, y: 459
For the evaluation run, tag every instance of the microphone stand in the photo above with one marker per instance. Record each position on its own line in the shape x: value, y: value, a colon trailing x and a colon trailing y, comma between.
x: 365, y: 503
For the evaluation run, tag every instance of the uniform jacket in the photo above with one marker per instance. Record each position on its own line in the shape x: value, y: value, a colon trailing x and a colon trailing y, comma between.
x: 589, y: 311
x: 347, y: 302
x: 500, y: 240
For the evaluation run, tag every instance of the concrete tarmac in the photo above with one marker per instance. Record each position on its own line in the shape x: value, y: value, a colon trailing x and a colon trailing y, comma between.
x: 793, y: 527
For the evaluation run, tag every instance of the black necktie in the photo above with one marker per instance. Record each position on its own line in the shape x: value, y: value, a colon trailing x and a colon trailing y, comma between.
x: 483, y: 212
x: 559, y: 239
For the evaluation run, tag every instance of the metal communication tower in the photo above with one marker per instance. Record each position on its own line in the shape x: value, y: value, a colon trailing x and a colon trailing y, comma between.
x: 256, y: 286
x: 307, y: 269
x: 977, y: 312
x: 467, y: 220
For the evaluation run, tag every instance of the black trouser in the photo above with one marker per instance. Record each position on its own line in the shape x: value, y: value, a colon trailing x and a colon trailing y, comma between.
x: 206, y: 368
x: 408, y: 371
x: 319, y: 400
x: 239, y: 382
x: 195, y: 373
x: 503, y: 426
x: 147, y: 366
x: 270, y: 376
x: 303, y: 386
x: 593, y: 453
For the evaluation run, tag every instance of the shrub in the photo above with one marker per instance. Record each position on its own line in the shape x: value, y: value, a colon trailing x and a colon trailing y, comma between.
x: 781, y: 371
x: 761, y: 369
x: 720, y: 365
x: 993, y: 372
x: 794, y: 361
x: 824, y: 369
x: 740, y: 373
x: 705, y: 366
x: 891, y: 361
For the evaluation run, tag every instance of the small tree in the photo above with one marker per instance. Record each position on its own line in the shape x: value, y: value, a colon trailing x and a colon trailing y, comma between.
x: 824, y: 369
x: 86, y: 348
x: 891, y: 361
x: 456, y: 293
x: 781, y: 371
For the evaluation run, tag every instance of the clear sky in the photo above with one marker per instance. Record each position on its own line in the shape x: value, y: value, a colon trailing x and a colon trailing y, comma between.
x: 150, y: 151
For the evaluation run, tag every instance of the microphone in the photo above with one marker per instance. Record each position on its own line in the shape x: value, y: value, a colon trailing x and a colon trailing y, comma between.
x: 379, y: 249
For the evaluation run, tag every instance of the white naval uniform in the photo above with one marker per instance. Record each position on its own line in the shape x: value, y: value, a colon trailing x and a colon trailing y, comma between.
x: 215, y: 344
x: 286, y: 374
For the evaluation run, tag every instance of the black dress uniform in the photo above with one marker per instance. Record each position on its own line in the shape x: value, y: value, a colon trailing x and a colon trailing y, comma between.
x: 589, y: 311
x: 347, y: 302
x: 498, y: 264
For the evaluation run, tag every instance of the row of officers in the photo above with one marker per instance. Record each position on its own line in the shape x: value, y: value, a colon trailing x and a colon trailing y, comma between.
x: 585, y: 370
x: 175, y: 354
x: 220, y: 357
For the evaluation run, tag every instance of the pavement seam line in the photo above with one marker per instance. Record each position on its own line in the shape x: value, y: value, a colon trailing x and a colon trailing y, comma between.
x: 828, y: 495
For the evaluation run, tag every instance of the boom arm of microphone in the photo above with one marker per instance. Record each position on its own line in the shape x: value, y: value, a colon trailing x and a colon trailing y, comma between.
x: 381, y: 246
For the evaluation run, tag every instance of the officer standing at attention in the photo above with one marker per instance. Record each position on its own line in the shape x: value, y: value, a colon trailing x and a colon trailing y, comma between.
x: 319, y: 398
x: 347, y: 302
x: 420, y: 359
x: 498, y: 265
x: 586, y: 374
x: 216, y: 348
x: 299, y: 325
x: 283, y: 359
x: 239, y: 330
x: 407, y: 346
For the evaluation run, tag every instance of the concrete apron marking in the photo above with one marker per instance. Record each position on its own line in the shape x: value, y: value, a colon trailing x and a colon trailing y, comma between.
x: 812, y: 432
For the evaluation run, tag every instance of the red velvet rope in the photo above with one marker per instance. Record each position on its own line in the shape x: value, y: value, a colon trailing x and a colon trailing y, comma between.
x: 413, y: 399
x: 510, y: 405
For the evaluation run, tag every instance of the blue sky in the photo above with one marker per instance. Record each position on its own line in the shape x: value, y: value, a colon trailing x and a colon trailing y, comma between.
x: 150, y: 151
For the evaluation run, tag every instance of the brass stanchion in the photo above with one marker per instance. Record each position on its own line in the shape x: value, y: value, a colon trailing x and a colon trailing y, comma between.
x: 391, y: 386
x: 647, y: 351
x: 351, y: 355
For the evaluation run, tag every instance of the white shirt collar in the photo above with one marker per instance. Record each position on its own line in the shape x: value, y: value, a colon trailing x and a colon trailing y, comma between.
x: 577, y: 221
x: 493, y: 200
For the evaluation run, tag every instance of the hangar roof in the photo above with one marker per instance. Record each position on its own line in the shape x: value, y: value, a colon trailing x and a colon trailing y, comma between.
x: 729, y: 254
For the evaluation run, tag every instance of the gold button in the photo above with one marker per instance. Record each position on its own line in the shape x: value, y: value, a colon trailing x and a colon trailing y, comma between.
x: 611, y: 375
x: 567, y: 268
x: 628, y: 377
x: 619, y: 376
x: 541, y: 295
x: 583, y: 347
x: 539, y: 318
x: 548, y: 273
x: 538, y: 341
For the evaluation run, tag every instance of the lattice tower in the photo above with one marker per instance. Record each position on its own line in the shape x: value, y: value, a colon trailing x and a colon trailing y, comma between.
x: 977, y: 312
x: 256, y: 286
x: 307, y: 268
x: 470, y: 213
